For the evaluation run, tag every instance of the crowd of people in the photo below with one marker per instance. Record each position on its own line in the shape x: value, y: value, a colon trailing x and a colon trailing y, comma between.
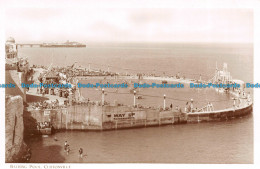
x: 43, y: 125
x: 49, y: 105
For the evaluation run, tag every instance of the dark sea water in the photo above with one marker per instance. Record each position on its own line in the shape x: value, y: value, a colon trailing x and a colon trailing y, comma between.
x: 218, y: 142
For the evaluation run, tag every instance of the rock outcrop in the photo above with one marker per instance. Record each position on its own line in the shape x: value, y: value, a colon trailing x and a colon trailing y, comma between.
x: 15, y: 148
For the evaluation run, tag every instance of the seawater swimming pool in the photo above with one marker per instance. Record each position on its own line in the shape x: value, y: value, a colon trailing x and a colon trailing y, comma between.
x: 154, y: 96
x: 99, y: 85
x: 210, y: 85
x: 191, y: 143
x: 157, y: 85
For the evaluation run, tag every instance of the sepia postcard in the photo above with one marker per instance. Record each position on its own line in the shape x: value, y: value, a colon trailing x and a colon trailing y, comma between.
x: 120, y: 83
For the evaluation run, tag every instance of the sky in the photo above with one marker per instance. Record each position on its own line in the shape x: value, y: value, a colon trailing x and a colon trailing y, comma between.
x: 129, y: 24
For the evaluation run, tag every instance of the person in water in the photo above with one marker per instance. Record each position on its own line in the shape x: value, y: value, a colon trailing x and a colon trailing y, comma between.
x: 81, y: 152
x: 65, y: 146
x: 68, y: 149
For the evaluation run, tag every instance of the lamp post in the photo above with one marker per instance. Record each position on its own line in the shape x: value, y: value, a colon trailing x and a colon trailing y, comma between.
x: 103, y: 97
x: 234, y: 102
x: 191, y: 105
x: 134, y: 98
x: 164, y: 101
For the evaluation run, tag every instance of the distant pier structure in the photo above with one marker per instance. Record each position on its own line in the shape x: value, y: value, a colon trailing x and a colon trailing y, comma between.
x: 30, y: 45
x: 52, y: 45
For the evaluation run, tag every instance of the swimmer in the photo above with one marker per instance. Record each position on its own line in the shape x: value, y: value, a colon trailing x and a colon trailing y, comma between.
x: 81, y: 152
x: 65, y: 146
x: 68, y: 149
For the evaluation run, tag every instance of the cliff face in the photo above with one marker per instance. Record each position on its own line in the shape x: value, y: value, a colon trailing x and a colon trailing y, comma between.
x: 15, y: 148
x: 17, y: 78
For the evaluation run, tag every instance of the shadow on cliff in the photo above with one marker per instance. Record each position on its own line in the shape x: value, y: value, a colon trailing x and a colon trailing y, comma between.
x: 30, y: 125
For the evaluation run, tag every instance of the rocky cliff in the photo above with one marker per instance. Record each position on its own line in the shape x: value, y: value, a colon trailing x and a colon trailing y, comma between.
x: 16, y: 78
x: 15, y: 148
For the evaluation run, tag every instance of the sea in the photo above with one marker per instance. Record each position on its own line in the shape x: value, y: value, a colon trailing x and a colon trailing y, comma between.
x: 221, y: 142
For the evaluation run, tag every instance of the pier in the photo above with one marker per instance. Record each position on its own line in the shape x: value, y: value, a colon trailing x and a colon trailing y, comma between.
x: 29, y: 45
